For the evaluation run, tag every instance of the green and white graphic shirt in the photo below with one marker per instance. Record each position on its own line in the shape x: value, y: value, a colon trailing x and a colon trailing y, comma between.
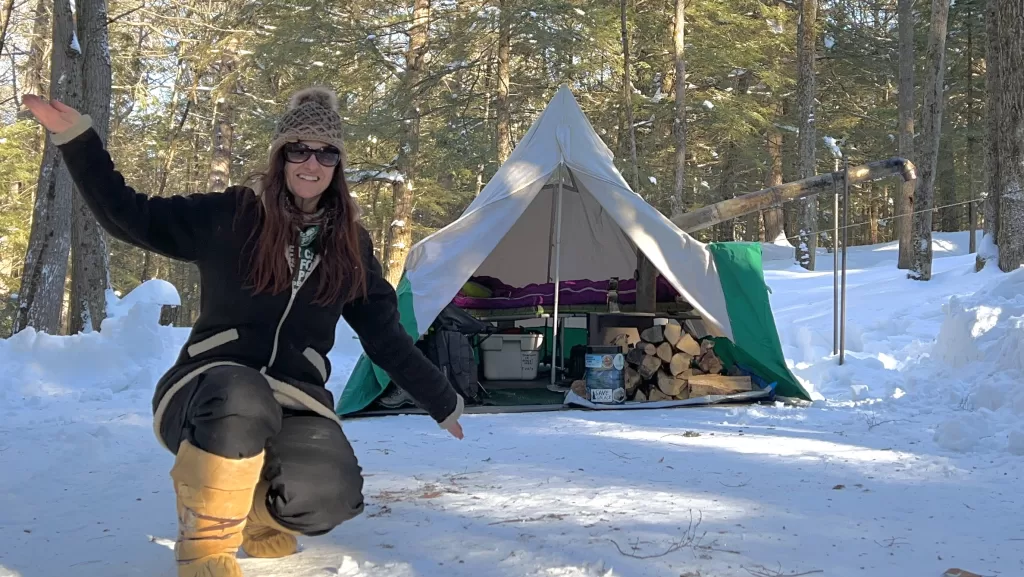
x: 307, y: 254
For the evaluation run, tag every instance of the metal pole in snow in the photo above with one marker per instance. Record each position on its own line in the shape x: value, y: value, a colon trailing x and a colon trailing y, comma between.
x: 846, y: 209
x: 558, y: 262
x: 835, y: 267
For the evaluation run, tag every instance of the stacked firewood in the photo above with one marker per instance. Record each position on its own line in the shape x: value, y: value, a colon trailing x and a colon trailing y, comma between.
x: 669, y: 363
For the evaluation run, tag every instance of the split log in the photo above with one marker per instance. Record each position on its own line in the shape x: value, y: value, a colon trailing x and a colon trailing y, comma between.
x: 679, y: 363
x: 670, y: 385
x: 640, y: 396
x: 635, y: 356
x: 655, y: 334
x: 650, y: 349
x: 718, y: 385
x: 710, y: 364
x: 649, y: 367
x: 673, y: 331
x: 657, y: 395
x: 664, y: 352
x: 632, y: 379
x: 689, y: 345
x: 709, y: 361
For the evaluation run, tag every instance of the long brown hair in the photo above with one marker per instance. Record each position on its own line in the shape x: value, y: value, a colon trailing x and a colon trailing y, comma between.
x: 342, y: 275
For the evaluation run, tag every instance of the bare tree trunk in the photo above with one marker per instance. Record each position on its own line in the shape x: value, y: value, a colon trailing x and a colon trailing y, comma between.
x: 90, y: 271
x: 931, y: 132
x: 5, y: 25
x: 994, y: 90
x: 774, y: 218
x: 807, y: 208
x: 647, y: 275
x: 972, y: 208
x: 627, y: 97
x: 873, y: 207
x: 489, y: 76
x: 504, y: 78
x: 905, y: 199
x: 400, y: 230
x: 677, y: 202
x: 41, y: 299
x: 35, y: 65
x: 223, y: 127
x: 1011, y: 147
x: 945, y: 187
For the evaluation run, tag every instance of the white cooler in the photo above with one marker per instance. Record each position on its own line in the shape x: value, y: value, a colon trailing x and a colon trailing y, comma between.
x: 511, y: 357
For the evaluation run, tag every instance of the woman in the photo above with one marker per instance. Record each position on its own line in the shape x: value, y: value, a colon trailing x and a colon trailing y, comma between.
x: 260, y: 454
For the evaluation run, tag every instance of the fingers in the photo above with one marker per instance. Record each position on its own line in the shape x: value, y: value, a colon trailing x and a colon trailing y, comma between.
x: 456, y: 430
x: 61, y: 107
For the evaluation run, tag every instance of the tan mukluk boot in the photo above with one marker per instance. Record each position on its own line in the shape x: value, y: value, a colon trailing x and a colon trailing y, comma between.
x: 214, y: 498
x: 263, y: 536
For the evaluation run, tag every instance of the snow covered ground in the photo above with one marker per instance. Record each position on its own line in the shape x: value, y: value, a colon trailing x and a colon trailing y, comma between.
x: 911, y: 462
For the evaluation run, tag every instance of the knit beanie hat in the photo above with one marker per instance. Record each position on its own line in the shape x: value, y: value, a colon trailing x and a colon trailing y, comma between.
x: 312, y: 115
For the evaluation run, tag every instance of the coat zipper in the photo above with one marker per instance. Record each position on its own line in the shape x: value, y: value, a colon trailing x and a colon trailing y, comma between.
x: 291, y: 301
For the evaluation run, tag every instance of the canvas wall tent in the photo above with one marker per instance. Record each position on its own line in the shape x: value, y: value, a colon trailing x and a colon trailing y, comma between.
x: 558, y: 209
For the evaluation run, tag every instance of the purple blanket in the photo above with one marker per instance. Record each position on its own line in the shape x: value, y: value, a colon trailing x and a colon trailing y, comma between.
x: 571, y: 292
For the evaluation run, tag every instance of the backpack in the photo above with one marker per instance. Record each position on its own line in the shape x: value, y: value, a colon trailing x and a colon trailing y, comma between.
x: 452, y: 352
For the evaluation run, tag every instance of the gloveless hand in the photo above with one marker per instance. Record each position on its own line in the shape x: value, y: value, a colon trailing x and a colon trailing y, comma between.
x: 455, y: 429
x: 55, y: 116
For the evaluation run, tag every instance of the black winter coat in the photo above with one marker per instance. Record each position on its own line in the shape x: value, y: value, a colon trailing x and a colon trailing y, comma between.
x: 286, y: 336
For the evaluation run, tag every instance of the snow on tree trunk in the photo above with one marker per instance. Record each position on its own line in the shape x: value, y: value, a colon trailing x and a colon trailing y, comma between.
x: 41, y: 298
x: 502, y: 107
x: 90, y: 272
x: 774, y: 218
x: 677, y: 203
x: 931, y: 132
x: 807, y: 208
x: 400, y: 231
x: 1011, y: 135
x: 994, y: 90
x: 905, y: 198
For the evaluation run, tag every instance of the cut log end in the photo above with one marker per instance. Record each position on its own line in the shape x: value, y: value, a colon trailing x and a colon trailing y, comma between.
x: 664, y: 352
x: 670, y: 385
x: 673, y: 332
x: 679, y: 363
x: 689, y: 345
x: 655, y: 334
x: 649, y: 367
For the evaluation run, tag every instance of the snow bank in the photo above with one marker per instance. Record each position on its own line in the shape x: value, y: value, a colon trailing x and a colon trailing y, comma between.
x: 131, y: 351
x: 978, y: 364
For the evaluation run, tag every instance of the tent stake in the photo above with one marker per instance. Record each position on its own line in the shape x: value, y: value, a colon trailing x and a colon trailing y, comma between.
x: 846, y: 209
x: 555, y: 349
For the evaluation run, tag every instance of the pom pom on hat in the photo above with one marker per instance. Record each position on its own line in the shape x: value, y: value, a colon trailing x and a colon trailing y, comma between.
x: 316, y: 94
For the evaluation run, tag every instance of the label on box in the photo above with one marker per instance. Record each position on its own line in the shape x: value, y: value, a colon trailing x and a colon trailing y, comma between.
x: 604, y: 377
x: 528, y: 360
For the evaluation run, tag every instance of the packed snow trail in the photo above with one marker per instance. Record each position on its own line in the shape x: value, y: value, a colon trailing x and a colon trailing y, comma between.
x: 910, y: 465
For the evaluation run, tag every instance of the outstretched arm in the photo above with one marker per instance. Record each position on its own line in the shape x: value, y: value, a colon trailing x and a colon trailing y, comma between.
x: 176, y: 227
x: 375, y: 320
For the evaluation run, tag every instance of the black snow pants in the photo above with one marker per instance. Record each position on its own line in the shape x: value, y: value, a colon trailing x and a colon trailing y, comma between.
x: 315, y: 480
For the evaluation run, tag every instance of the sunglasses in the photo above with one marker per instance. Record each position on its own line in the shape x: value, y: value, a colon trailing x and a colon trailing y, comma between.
x: 298, y: 153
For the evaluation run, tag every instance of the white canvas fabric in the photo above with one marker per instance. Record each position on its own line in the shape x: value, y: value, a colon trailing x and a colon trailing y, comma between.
x: 509, y: 230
